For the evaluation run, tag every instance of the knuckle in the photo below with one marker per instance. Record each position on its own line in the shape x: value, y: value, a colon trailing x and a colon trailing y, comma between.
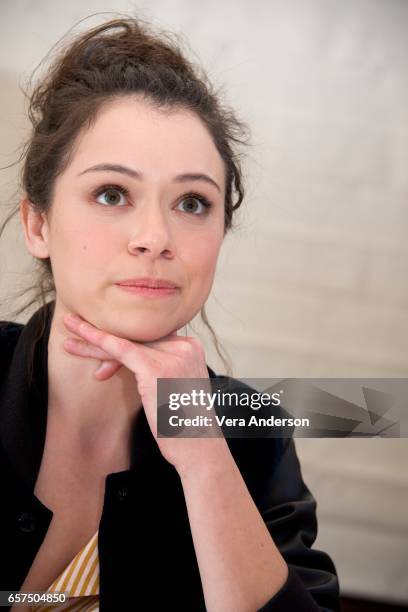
x: 121, y: 345
x: 196, y: 346
x: 185, y: 348
x: 195, y: 342
x: 124, y: 345
x: 156, y: 367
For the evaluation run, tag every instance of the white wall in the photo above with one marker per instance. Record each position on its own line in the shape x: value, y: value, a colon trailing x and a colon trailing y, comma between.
x: 314, y: 282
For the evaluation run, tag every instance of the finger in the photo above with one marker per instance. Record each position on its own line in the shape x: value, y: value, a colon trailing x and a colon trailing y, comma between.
x: 85, y: 349
x: 129, y: 353
x: 170, y: 343
x: 107, y: 369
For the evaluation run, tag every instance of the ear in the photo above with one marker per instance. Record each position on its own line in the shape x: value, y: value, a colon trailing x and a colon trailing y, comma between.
x: 36, y: 230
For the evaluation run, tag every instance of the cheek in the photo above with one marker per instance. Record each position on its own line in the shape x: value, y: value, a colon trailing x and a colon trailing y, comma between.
x: 83, y: 246
x: 96, y: 248
x: 81, y: 254
x: 201, y: 260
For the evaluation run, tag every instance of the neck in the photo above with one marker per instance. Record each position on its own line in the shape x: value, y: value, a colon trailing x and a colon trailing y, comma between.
x: 87, y: 407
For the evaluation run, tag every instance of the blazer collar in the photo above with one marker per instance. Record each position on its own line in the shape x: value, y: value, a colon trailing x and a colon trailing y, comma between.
x: 24, y: 407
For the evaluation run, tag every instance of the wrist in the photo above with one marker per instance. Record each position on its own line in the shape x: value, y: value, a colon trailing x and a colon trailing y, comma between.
x: 209, y: 456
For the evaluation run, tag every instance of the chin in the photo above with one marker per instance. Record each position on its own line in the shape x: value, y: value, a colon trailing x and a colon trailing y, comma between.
x: 139, y: 332
x: 146, y: 337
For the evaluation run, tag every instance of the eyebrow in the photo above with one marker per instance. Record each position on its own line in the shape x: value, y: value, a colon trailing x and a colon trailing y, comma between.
x: 180, y: 178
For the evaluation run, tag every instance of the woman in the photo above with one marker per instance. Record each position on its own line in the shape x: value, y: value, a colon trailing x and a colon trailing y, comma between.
x: 129, y: 182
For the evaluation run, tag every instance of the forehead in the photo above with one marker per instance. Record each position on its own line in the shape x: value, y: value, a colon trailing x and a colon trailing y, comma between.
x: 159, y: 144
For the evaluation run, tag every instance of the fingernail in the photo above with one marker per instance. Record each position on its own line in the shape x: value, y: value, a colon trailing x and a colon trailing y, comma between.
x: 101, y: 368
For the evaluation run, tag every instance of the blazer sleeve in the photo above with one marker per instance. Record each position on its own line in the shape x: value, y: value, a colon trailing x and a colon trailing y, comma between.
x: 289, y: 511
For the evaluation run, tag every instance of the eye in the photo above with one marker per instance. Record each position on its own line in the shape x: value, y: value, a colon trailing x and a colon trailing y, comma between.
x: 196, y: 204
x: 111, y: 195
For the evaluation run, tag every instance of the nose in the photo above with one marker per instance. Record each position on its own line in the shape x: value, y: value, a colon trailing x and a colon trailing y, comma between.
x: 150, y: 234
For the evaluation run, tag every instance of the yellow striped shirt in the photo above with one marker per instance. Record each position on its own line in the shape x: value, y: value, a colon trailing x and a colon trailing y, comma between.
x: 80, y: 579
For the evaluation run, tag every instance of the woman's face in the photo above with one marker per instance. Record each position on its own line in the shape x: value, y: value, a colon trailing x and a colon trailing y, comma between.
x: 119, y: 212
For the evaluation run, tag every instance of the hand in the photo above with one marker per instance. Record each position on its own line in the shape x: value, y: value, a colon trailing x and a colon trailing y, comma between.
x: 170, y: 357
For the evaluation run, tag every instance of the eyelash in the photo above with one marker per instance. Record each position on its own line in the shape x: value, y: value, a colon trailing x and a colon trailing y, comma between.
x: 125, y: 192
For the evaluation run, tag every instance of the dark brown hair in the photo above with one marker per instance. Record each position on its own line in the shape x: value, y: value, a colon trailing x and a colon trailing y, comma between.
x: 123, y: 56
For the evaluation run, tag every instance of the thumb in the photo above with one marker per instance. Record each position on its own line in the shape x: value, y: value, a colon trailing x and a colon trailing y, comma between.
x: 107, y: 368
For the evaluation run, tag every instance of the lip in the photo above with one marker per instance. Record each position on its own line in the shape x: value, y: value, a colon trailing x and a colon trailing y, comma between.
x: 149, y: 292
x: 148, y: 282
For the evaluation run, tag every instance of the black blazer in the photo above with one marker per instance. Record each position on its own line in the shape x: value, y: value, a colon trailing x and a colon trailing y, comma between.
x: 146, y: 553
